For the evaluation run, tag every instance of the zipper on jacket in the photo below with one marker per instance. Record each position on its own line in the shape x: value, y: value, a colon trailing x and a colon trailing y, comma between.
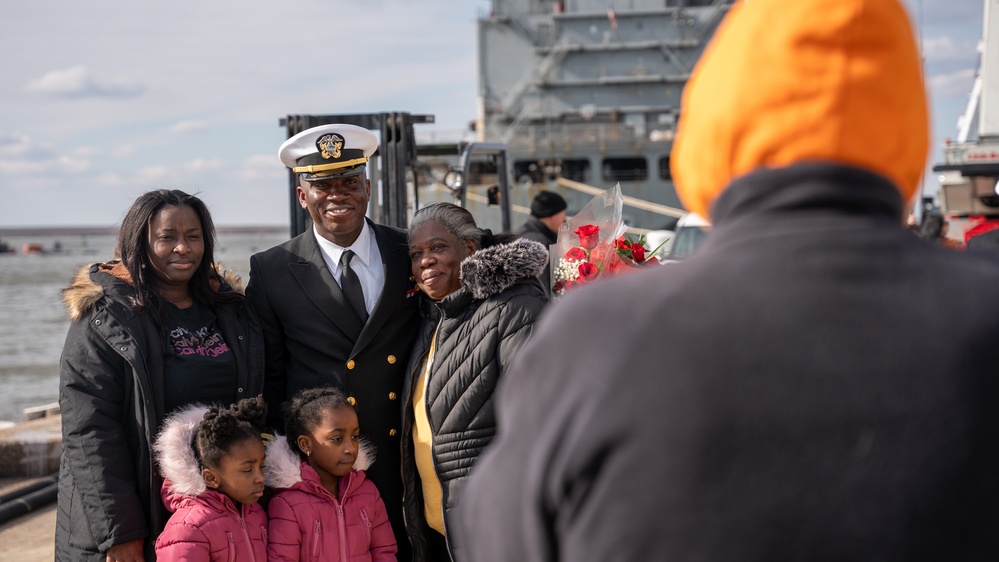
x: 433, y: 457
x: 341, y: 523
x: 246, y: 537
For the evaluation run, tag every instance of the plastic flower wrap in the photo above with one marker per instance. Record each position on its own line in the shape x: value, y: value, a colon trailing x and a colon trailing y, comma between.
x: 593, y: 244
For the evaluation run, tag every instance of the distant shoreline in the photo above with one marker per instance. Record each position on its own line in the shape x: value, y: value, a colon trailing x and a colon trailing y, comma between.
x: 111, y: 230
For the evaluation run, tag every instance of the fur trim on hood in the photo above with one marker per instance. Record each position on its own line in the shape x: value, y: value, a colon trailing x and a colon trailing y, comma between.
x: 174, y: 450
x: 492, y: 270
x: 82, y: 294
x: 283, y: 467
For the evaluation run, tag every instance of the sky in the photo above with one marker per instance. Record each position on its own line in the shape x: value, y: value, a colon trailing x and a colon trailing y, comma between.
x: 103, y: 100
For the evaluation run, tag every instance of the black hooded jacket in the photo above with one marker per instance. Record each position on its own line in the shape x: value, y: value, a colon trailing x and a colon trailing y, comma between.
x: 111, y: 399
x: 479, y: 328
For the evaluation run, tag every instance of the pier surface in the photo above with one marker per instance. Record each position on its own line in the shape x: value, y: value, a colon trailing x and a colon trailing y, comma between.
x: 30, y: 537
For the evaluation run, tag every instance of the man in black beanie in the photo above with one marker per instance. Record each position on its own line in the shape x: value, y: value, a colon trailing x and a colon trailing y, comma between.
x: 547, y: 214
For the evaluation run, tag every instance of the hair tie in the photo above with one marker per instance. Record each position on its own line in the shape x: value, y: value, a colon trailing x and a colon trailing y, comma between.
x: 487, y: 237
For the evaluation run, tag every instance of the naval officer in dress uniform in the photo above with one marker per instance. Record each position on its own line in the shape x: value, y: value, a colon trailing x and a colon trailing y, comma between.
x: 337, y: 303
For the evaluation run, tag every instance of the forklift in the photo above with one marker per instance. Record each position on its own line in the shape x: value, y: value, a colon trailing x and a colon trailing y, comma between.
x: 471, y: 175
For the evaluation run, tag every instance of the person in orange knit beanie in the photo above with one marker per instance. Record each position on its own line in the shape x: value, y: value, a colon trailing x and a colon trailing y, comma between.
x: 814, y: 383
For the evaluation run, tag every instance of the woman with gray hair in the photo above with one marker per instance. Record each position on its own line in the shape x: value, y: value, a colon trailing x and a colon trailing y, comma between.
x: 480, y: 299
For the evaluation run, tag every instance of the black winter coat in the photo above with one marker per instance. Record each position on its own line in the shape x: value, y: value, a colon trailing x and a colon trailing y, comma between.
x: 479, y: 329
x: 536, y: 230
x: 815, y: 383
x: 111, y: 399
x: 311, y: 342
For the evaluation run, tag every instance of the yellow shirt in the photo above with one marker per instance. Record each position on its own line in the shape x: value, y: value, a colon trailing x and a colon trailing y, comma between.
x: 422, y: 440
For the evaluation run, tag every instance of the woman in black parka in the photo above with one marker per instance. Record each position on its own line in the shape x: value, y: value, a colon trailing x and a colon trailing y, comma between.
x: 156, y: 330
x: 481, y: 298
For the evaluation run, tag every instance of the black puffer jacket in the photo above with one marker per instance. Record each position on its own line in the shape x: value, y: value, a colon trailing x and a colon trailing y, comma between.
x: 111, y: 398
x: 480, y: 328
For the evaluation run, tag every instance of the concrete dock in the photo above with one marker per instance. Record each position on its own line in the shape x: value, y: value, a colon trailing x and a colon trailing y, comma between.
x: 30, y: 537
x: 29, y: 454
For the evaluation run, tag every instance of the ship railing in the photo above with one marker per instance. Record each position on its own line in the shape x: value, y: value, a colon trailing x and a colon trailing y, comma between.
x: 603, y: 137
x: 635, y: 202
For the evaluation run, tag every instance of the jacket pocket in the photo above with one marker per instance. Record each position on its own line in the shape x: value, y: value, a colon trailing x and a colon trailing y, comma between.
x: 367, y: 527
x: 317, y: 535
x: 232, y: 547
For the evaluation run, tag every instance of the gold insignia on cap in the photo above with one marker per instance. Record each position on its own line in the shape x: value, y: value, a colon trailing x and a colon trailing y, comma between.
x: 330, y: 145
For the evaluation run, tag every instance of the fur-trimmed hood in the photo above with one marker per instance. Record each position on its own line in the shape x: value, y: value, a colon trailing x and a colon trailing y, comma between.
x: 283, y: 468
x: 83, y: 292
x: 492, y: 270
x: 174, y: 450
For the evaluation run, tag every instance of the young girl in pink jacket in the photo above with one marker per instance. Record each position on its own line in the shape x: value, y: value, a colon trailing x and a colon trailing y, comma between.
x: 324, y: 509
x: 212, y: 461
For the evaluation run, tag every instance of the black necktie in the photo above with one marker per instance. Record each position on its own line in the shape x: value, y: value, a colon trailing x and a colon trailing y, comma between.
x: 351, y: 286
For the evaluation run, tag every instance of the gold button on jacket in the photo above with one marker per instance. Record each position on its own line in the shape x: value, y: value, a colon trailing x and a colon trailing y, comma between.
x: 391, y: 359
x: 392, y: 433
x: 350, y: 364
x: 392, y: 396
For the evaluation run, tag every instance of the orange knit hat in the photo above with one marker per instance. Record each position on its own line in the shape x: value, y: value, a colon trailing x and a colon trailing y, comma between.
x: 786, y: 81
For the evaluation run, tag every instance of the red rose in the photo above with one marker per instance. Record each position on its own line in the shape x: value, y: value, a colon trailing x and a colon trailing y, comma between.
x: 587, y: 271
x: 623, y: 244
x: 638, y: 253
x: 588, y: 235
x: 652, y: 261
x: 575, y: 254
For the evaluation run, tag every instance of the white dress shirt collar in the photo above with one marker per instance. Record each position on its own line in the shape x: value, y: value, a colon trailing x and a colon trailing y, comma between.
x: 361, y: 248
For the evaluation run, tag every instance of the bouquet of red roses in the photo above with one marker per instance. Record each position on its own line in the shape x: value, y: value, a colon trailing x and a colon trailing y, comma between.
x: 593, y: 244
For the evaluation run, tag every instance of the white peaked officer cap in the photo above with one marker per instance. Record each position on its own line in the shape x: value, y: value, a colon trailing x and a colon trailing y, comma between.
x: 328, y: 151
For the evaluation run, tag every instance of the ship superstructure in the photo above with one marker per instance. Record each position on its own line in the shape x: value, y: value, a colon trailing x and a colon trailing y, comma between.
x: 587, y: 93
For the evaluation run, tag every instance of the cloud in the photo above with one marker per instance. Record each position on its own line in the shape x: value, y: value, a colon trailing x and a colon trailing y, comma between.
x: 73, y: 164
x: 19, y: 145
x: 953, y: 83
x: 201, y: 165
x: 111, y: 179
x: 188, y: 127
x: 78, y: 82
x: 22, y: 155
x: 945, y: 48
x: 152, y: 174
x: 262, y: 167
x: 123, y: 150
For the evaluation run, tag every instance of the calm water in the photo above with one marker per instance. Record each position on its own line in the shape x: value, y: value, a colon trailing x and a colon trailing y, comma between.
x: 33, y: 321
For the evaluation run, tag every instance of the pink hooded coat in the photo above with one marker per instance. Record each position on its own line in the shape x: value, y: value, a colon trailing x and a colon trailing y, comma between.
x: 308, y: 523
x: 205, y: 524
